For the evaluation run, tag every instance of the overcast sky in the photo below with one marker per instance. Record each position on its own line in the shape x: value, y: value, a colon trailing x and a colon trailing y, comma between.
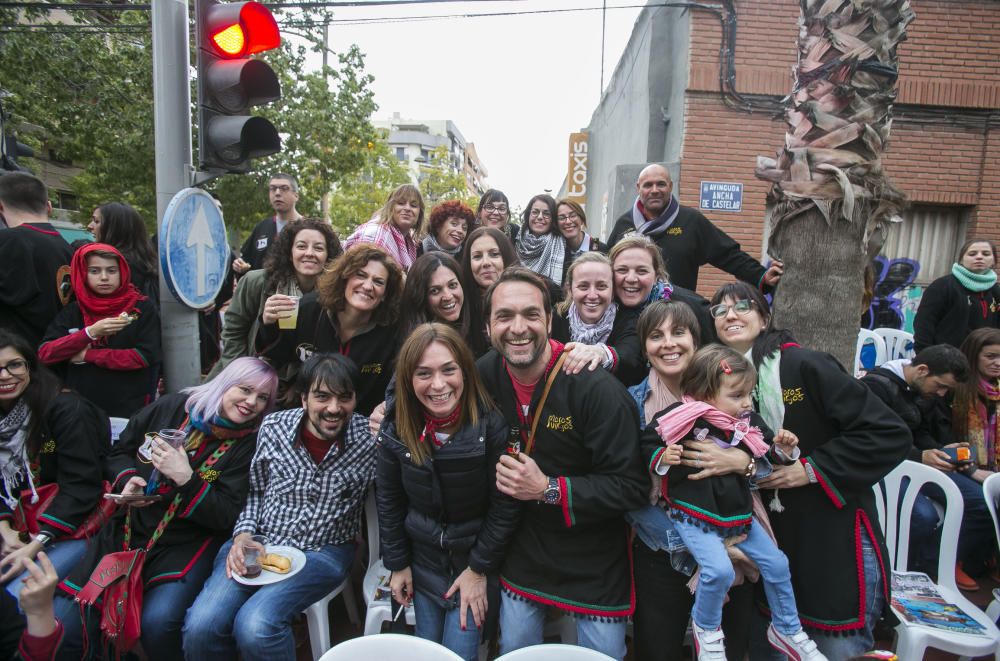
x: 516, y: 86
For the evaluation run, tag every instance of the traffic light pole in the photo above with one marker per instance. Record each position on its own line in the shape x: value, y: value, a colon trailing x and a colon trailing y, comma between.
x: 172, y: 140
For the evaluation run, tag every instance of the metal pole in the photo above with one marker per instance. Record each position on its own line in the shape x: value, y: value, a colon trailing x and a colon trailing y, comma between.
x: 172, y: 140
x: 604, y: 22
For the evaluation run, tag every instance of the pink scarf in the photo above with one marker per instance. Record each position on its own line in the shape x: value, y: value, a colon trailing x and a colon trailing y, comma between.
x: 675, y: 425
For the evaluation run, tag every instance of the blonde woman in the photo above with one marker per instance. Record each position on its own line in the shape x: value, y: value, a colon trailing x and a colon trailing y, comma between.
x: 397, y: 226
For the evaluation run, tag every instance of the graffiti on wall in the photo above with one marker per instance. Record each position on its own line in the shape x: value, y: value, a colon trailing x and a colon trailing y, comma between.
x: 896, y: 298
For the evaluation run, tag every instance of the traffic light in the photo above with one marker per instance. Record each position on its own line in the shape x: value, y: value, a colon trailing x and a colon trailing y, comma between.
x: 230, y: 83
x: 10, y: 148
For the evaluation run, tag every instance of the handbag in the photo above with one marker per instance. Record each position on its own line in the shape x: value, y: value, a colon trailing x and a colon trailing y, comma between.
x: 26, y: 513
x: 117, y: 579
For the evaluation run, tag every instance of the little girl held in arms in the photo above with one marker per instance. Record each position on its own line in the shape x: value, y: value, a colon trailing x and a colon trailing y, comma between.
x: 717, y: 405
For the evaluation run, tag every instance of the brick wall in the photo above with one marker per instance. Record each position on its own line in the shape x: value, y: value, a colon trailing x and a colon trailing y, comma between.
x: 950, y: 59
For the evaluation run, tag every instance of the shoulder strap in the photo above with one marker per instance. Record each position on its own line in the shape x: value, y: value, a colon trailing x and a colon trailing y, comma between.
x: 541, y: 402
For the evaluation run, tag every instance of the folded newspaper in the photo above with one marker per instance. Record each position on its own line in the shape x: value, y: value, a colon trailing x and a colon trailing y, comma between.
x: 916, y: 599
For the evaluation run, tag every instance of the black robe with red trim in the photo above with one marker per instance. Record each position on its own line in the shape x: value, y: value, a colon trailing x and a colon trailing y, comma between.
x: 852, y: 440
x: 120, y: 371
x: 373, y: 351
x: 575, y: 556
x: 205, y: 517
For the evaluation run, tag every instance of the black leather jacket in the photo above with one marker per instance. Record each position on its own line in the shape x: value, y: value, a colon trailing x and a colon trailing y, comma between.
x: 444, y: 515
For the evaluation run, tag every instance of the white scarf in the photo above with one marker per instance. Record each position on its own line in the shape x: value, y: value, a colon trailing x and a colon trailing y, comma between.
x: 13, y: 453
x: 596, y: 333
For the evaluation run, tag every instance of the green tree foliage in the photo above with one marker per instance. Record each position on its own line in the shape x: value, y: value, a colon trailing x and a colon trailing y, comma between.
x: 439, y: 181
x: 363, y: 193
x: 91, y: 94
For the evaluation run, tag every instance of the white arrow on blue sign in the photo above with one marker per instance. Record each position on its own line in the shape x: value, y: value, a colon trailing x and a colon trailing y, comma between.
x: 194, y: 253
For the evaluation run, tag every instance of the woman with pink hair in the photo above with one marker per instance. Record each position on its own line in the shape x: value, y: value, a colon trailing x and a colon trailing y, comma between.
x: 194, y: 489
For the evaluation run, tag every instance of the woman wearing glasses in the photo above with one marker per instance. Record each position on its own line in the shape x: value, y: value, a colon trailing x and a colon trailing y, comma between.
x: 822, y: 508
x: 540, y: 247
x: 494, y: 211
x: 572, y: 223
x: 47, y: 436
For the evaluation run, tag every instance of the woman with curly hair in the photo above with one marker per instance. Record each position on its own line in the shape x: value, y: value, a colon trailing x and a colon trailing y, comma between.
x: 354, y: 312
x: 292, y: 267
x: 396, y: 227
x: 450, y: 223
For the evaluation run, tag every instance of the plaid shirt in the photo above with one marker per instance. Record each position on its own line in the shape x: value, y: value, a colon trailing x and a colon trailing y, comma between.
x: 388, y: 237
x: 296, y: 502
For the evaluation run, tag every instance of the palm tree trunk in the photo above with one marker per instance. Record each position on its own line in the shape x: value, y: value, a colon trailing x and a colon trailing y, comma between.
x: 830, y: 202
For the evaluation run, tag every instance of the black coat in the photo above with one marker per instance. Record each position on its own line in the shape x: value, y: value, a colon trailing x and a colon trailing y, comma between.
x: 948, y: 312
x: 928, y: 418
x: 255, y: 248
x: 692, y: 241
x: 76, y: 440
x: 204, y: 518
x: 629, y: 366
x: 852, y: 440
x: 446, y: 514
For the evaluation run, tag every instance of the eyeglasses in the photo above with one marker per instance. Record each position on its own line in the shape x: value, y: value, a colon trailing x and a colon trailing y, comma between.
x: 15, y: 368
x: 567, y: 216
x: 496, y: 208
x: 544, y: 213
x: 739, y: 307
x: 284, y: 188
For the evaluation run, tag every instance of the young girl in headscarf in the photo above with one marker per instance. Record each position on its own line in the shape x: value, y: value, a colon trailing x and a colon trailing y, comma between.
x: 107, y: 341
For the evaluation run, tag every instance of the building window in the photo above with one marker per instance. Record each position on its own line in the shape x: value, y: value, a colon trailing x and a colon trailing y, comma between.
x: 400, y: 153
x: 425, y: 155
x: 68, y: 201
x: 930, y: 235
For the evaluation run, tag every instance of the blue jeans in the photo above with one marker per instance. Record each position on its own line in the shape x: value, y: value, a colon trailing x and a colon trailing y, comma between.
x: 835, y: 647
x: 717, y: 575
x: 64, y: 555
x: 443, y: 626
x: 229, y: 617
x: 163, y: 608
x: 522, y: 624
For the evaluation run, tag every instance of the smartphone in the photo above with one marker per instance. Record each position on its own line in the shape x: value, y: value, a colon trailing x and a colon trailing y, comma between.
x: 959, y: 455
x: 132, y: 497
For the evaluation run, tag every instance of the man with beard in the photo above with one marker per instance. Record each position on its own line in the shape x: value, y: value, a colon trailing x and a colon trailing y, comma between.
x: 916, y: 390
x: 684, y: 236
x: 308, y: 482
x: 574, y: 460
x: 283, y: 193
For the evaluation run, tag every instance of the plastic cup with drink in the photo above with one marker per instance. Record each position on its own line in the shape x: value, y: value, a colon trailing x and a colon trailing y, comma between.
x: 254, y: 550
x: 174, y: 438
x: 288, y: 319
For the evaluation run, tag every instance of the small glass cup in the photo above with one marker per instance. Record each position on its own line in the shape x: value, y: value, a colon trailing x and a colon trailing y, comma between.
x: 254, y: 550
x: 289, y: 319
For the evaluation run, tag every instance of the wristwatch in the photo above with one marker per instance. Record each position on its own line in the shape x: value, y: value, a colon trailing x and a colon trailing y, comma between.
x: 43, y: 538
x: 552, y: 495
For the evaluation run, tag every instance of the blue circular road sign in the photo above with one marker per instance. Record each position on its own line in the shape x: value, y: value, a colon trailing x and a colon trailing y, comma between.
x: 194, y: 252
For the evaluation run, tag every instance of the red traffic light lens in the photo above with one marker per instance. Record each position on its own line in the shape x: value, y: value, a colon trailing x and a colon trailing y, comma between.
x: 253, y: 31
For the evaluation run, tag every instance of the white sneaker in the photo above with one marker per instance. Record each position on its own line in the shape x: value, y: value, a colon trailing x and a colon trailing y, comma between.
x: 708, y: 645
x: 798, y: 646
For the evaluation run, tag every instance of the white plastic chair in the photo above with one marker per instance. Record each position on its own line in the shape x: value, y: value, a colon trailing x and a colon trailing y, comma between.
x: 318, y: 617
x: 895, y: 510
x: 389, y: 647
x: 554, y: 653
x: 376, y: 612
x: 898, y: 344
x: 866, y: 336
x: 991, y: 492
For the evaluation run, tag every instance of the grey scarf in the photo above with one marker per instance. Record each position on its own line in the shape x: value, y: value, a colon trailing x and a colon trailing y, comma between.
x: 13, y: 454
x: 542, y: 254
x: 430, y: 244
x: 658, y: 225
x: 597, y: 333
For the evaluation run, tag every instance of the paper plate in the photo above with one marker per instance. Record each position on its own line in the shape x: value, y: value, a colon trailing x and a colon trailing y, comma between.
x: 297, y: 557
